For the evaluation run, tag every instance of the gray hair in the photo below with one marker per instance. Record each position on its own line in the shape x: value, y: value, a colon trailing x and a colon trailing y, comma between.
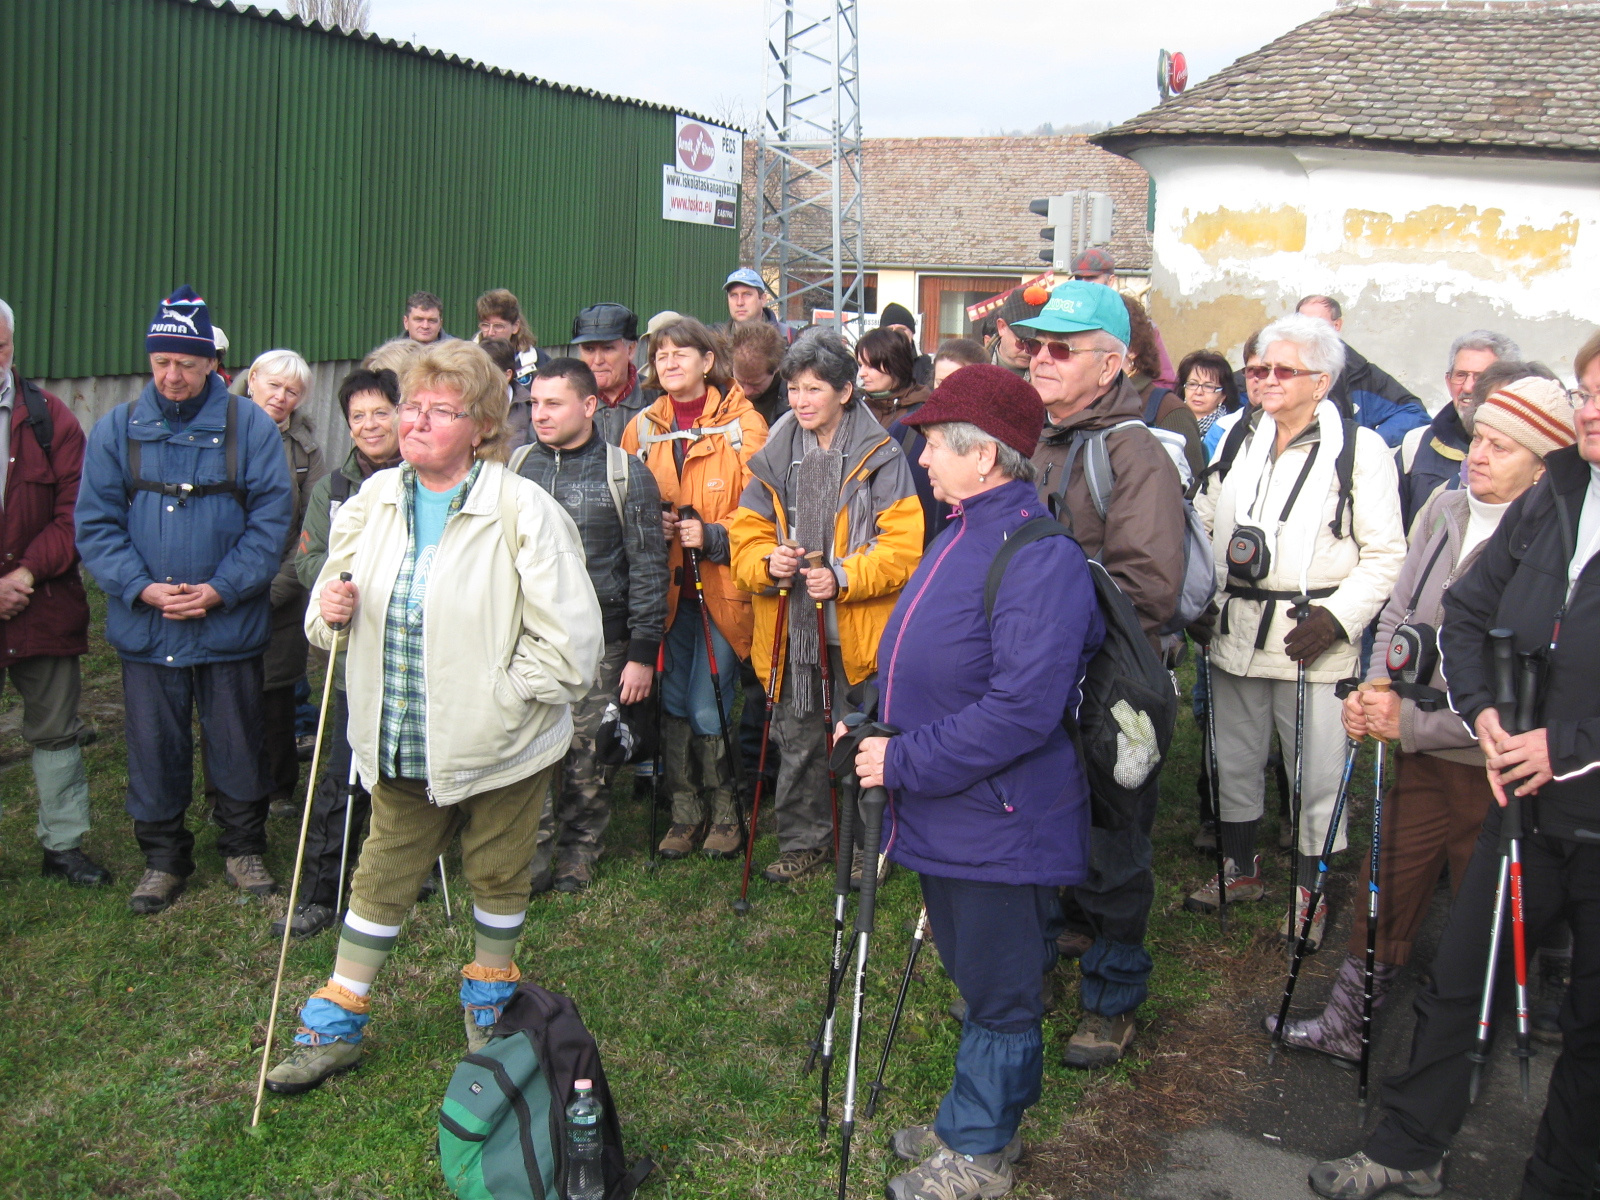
x: 1320, y: 346
x: 1110, y: 343
x: 283, y: 363
x: 8, y: 316
x: 963, y: 438
x: 824, y: 354
x: 1497, y: 344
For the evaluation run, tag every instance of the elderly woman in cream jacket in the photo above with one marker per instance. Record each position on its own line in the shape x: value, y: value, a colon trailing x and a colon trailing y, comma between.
x: 1282, y: 503
x: 472, y: 626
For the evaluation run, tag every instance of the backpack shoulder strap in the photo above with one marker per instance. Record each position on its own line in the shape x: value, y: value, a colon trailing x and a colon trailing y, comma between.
x: 1237, y: 432
x: 617, y: 479
x: 1344, y: 468
x: 1152, y: 406
x: 339, y: 487
x: 39, y: 419
x: 518, y: 457
x: 1024, y: 535
x: 508, y: 515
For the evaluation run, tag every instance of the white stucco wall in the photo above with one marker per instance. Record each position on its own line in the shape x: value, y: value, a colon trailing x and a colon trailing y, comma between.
x: 1418, y: 249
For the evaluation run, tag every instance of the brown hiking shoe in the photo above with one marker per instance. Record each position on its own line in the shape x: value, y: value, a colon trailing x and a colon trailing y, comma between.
x: 249, y: 874
x: 916, y: 1142
x: 1319, y: 922
x: 1099, y: 1041
x: 722, y: 842
x: 573, y: 876
x: 1072, y: 944
x: 951, y: 1176
x: 680, y: 841
x: 793, y: 865
x: 1240, y: 888
x: 885, y: 869
x: 155, y: 892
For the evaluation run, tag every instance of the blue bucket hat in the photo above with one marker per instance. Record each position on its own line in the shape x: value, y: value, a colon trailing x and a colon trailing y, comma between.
x: 748, y: 277
x: 1078, y: 306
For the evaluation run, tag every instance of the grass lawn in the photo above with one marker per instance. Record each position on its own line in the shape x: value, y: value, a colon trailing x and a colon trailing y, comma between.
x: 132, y: 1043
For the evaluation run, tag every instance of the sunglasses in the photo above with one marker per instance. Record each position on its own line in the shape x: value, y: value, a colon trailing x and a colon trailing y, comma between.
x: 1281, y: 373
x: 1059, y: 351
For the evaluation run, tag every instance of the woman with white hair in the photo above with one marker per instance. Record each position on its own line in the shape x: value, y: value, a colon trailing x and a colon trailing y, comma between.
x: 278, y: 382
x: 1304, y: 504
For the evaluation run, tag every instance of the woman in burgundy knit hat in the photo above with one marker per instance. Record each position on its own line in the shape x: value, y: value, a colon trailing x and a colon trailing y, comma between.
x: 988, y: 802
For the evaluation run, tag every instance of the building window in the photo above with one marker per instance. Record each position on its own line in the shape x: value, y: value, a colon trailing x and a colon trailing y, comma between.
x: 945, y: 299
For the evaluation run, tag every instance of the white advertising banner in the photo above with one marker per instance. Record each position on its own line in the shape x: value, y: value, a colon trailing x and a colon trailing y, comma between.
x: 697, y: 199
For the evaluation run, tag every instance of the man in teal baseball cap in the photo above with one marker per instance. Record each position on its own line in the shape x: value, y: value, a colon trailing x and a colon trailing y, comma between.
x: 1077, y: 346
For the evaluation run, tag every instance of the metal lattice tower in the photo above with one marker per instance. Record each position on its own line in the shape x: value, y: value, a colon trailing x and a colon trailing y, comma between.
x: 809, y: 241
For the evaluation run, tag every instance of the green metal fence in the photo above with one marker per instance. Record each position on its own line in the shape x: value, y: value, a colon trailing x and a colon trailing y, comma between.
x: 306, y: 182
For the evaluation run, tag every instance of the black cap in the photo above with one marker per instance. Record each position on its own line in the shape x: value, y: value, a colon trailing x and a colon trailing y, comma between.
x: 897, y: 314
x: 605, y: 323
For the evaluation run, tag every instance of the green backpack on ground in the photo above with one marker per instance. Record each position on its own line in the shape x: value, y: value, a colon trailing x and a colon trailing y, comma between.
x: 502, y: 1126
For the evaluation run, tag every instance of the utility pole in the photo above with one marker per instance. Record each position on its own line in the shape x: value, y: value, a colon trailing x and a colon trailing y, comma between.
x: 809, y: 243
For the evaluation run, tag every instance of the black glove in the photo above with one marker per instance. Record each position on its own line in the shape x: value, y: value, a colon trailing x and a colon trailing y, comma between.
x: 1204, y: 627
x: 1312, y: 635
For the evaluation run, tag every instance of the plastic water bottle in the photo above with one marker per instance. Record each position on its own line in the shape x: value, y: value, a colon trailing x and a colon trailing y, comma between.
x: 585, y: 1142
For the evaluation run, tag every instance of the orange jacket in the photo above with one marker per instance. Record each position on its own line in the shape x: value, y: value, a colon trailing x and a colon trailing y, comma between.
x: 714, y: 475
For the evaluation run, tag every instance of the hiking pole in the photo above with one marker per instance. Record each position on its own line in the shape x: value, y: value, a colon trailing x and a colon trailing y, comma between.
x: 1511, y: 830
x: 1315, y: 901
x: 1299, y: 609
x: 735, y: 763
x: 344, y: 846
x: 651, y: 862
x: 918, y: 935
x: 872, y: 804
x: 1368, y: 971
x: 823, y: 1043
x: 1502, y: 645
x: 299, y: 862
x: 1216, y: 789
x: 444, y: 890
x: 780, y: 623
x: 814, y: 561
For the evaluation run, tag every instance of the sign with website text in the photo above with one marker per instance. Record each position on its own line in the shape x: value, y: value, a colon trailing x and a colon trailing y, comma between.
x: 697, y: 199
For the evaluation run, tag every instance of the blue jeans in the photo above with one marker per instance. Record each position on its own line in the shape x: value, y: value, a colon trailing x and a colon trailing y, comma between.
x: 996, y: 940
x: 686, y: 689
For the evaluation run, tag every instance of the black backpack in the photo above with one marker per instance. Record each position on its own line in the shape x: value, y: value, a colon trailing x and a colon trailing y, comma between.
x: 38, y: 418
x: 1125, y: 679
x: 502, y: 1127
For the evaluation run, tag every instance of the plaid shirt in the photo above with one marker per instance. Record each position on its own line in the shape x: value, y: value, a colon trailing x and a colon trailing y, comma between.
x: 403, y: 733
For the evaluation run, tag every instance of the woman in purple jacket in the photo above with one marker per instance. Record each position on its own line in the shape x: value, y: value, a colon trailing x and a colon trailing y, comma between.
x: 988, y: 802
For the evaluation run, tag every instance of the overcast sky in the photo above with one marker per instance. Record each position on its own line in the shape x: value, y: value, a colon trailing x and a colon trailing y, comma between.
x: 928, y: 67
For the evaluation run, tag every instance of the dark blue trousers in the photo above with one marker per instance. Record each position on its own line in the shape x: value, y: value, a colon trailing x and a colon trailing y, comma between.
x: 996, y: 940
x: 159, y: 704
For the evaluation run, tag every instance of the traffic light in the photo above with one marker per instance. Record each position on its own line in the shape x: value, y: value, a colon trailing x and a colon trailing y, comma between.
x: 1058, y: 210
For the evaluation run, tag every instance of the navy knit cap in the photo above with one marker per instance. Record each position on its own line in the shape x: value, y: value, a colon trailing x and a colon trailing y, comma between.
x: 182, y: 325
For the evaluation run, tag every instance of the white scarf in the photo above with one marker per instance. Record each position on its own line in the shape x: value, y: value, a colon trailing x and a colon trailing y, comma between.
x: 1294, y: 541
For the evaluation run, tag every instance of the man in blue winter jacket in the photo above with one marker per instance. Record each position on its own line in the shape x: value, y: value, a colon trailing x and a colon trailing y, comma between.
x: 1366, y: 391
x: 182, y: 516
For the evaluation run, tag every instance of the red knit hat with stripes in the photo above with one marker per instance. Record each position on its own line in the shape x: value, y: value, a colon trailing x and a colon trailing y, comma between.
x: 1532, y: 412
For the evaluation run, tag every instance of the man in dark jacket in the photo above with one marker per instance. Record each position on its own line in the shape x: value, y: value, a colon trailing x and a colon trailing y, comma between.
x: 182, y: 518
x: 1537, y: 573
x: 607, y: 336
x: 1364, y: 390
x: 44, y: 616
x: 1078, y: 344
x: 612, y: 498
x: 1431, y: 456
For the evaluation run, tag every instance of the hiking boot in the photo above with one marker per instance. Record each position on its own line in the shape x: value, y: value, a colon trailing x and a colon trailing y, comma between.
x: 680, y: 841
x: 1099, y: 1041
x: 793, y: 865
x: 572, y: 876
x: 155, y: 892
x: 1205, y: 837
x: 1072, y: 944
x: 723, y: 841
x: 885, y: 869
x: 1336, y: 1030
x: 307, y: 1066
x: 478, y: 1036
x: 917, y: 1142
x: 543, y: 879
x: 75, y: 867
x: 951, y: 1176
x: 282, y: 808
x: 1240, y: 888
x: 1319, y: 922
x: 1358, y: 1178
x: 249, y: 874
x: 304, y: 746
x: 309, y: 918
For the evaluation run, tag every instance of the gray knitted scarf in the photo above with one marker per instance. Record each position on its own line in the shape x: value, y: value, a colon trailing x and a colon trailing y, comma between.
x: 816, y: 505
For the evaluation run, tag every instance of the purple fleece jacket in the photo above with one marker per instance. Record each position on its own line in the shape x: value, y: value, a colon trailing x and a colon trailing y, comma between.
x: 984, y: 783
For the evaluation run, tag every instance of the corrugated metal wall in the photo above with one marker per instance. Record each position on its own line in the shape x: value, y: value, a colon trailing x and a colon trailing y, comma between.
x: 305, y: 183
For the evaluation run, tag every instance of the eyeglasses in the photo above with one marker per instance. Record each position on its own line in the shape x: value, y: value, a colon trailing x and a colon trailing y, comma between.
x: 1579, y: 397
x: 1203, y: 388
x: 418, y: 415
x: 1059, y: 351
x: 1277, y: 371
